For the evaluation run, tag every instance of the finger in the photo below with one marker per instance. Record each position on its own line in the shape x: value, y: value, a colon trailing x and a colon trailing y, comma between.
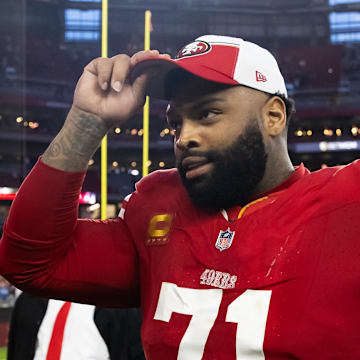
x: 120, y: 71
x: 165, y: 56
x: 141, y: 81
x: 144, y: 54
x: 102, y: 69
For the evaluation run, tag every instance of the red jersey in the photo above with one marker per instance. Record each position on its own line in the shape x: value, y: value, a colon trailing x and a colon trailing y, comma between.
x: 276, y: 279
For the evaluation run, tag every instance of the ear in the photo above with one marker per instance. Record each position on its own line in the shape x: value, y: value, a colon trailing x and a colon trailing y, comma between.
x: 274, y: 115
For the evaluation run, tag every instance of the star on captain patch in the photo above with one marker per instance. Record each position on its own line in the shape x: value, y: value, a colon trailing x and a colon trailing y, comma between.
x: 224, y: 239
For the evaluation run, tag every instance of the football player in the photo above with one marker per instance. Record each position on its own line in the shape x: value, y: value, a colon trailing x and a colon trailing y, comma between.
x: 236, y: 254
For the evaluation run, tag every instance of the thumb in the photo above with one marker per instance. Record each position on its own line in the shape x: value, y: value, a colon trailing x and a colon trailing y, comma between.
x: 141, y: 82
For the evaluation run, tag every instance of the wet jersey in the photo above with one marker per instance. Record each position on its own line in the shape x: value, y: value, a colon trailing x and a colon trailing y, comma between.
x: 275, y: 279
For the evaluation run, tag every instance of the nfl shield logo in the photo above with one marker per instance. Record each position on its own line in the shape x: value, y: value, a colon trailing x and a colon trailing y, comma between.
x: 224, y: 239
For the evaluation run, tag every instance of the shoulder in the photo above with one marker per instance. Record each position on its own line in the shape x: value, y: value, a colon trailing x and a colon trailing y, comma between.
x: 344, y: 173
x: 161, y: 189
x: 159, y: 180
x: 339, y: 183
x: 324, y: 190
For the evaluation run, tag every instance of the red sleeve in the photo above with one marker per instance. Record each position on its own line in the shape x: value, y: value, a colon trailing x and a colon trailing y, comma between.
x: 46, y: 250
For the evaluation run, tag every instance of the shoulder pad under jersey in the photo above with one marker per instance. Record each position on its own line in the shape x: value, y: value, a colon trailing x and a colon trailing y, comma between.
x: 159, y: 179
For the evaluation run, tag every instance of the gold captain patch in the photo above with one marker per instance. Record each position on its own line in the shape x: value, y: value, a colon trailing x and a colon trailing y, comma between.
x: 158, y: 230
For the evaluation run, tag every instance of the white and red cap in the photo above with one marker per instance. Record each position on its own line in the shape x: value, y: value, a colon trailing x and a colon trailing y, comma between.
x: 222, y: 59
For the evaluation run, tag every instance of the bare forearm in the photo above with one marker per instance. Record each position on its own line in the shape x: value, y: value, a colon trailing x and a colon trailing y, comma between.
x: 77, y: 141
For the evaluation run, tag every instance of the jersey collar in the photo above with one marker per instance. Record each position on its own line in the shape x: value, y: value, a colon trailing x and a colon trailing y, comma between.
x: 300, y: 171
x: 261, y: 200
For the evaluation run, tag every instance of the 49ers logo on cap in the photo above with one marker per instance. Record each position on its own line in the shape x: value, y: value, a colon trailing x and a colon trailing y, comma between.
x: 194, y: 48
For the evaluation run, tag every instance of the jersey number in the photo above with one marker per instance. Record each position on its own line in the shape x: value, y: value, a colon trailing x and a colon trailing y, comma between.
x: 249, y: 311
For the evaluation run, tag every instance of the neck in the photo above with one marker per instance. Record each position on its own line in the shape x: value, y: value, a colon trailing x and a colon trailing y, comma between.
x: 278, y: 169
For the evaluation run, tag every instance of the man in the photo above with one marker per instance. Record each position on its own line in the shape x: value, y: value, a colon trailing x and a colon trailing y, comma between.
x: 236, y: 255
x: 54, y: 329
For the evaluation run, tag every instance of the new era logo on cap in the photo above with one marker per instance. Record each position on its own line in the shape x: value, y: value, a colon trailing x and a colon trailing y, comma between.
x: 260, y: 77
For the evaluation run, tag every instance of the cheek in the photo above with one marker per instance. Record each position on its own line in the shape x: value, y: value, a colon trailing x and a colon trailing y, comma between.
x: 223, y: 137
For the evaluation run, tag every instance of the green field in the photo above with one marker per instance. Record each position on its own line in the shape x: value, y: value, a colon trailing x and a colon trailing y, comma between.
x: 2, y: 353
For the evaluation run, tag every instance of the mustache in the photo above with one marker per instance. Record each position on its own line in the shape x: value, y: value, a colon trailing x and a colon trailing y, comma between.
x: 210, y: 155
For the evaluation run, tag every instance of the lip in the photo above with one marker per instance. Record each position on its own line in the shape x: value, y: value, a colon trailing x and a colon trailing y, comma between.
x: 194, y: 161
x: 196, y: 166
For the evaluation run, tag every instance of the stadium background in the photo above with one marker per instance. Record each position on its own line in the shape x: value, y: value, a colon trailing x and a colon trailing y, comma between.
x: 44, y: 44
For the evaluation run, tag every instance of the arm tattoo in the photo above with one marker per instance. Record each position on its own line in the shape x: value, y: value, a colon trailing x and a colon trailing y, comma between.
x: 77, y: 141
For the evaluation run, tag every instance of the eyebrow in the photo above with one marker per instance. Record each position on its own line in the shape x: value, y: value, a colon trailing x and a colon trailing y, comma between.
x: 198, y: 104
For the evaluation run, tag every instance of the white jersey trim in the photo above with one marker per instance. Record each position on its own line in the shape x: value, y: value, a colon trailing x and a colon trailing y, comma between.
x: 123, y: 208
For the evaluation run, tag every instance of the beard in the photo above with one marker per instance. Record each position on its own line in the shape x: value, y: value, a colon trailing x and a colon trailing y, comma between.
x: 236, y: 173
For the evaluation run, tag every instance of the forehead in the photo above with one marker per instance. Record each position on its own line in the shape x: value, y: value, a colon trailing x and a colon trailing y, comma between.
x: 186, y: 88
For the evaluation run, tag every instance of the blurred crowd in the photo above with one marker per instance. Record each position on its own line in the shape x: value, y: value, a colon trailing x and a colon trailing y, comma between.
x: 7, y: 293
x: 46, y: 59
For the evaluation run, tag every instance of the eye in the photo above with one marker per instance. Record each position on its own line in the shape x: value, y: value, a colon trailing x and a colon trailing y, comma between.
x: 175, y: 126
x: 207, y: 114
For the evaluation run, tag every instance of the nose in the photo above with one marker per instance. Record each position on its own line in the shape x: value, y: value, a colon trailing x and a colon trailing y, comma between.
x: 188, y: 137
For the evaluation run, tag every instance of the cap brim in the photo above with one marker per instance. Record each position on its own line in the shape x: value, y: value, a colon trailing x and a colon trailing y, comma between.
x: 156, y: 87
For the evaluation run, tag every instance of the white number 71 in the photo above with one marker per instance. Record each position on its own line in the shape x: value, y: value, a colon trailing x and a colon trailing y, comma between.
x: 249, y: 311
